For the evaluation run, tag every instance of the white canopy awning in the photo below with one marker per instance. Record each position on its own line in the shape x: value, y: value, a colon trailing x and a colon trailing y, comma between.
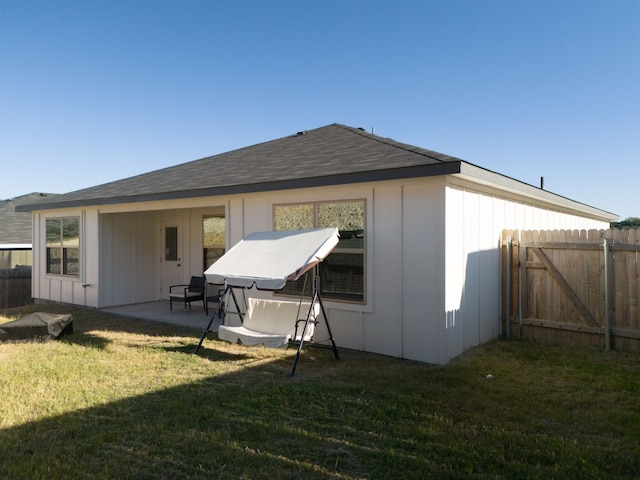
x: 269, y: 259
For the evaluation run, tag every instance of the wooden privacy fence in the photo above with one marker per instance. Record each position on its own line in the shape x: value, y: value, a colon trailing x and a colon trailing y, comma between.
x: 572, y: 287
x: 15, y: 287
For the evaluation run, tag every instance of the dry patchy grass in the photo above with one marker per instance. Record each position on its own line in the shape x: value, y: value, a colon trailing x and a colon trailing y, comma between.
x: 126, y: 398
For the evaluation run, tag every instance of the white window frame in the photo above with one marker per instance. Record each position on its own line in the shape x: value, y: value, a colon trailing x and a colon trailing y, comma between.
x: 62, y: 247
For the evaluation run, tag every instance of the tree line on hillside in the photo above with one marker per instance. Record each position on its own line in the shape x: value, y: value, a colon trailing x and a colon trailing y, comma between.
x: 631, y: 222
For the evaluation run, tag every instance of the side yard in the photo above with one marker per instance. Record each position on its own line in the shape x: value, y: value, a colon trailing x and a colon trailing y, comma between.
x: 126, y: 398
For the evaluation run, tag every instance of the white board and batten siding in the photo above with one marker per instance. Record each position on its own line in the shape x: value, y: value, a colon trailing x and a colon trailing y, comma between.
x: 404, y: 274
x: 73, y: 290
x: 433, y: 284
x: 128, y: 254
x: 432, y: 257
x: 475, y: 218
x: 422, y: 270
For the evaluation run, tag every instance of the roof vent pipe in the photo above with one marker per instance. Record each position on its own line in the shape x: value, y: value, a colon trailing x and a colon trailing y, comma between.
x: 542, y: 183
x: 373, y: 130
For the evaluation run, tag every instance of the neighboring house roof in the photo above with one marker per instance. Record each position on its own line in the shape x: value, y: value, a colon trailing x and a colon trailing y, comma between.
x: 330, y: 155
x: 15, y: 227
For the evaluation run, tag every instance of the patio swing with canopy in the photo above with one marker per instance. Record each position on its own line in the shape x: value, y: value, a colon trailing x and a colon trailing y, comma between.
x: 267, y: 261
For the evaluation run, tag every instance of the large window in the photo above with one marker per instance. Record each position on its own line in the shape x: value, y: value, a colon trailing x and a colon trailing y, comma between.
x: 213, y: 239
x: 343, y: 271
x: 63, y: 246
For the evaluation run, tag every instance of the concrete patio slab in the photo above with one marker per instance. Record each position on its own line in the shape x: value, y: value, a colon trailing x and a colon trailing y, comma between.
x: 160, y: 312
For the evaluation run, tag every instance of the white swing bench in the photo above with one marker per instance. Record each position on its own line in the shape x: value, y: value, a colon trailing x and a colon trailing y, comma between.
x: 266, y: 261
x: 272, y: 323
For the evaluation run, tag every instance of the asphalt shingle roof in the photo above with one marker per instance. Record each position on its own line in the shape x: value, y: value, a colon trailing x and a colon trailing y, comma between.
x: 328, y: 155
x: 15, y: 227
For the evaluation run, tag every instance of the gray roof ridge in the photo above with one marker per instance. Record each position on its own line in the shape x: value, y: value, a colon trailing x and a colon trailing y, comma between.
x: 432, y: 154
x: 27, y: 195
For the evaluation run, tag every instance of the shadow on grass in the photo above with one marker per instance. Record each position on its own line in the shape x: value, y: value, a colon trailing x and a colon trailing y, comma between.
x: 365, y: 416
x: 87, y: 319
x: 90, y: 326
x: 253, y: 423
x: 250, y: 422
x: 211, y: 354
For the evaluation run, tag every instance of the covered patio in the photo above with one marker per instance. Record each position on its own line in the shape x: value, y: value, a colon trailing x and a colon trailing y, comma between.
x: 159, y: 311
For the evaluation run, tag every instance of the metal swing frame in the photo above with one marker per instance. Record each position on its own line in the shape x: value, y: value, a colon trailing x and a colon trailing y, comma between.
x: 221, y: 312
x: 316, y: 298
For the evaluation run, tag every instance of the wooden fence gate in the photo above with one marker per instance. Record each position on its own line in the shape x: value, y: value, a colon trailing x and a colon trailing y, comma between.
x: 572, y: 287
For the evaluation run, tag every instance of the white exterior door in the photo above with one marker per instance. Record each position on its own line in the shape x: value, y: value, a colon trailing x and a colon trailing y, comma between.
x: 171, y: 267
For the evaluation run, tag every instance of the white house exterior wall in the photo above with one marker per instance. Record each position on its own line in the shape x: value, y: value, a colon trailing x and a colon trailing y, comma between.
x: 432, y: 257
x: 422, y: 300
x: 475, y: 218
x: 128, y: 258
x: 90, y: 268
x: 384, y: 292
x: 74, y: 290
x: 404, y: 277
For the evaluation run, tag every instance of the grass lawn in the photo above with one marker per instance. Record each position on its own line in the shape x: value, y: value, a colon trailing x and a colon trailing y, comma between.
x: 123, y: 398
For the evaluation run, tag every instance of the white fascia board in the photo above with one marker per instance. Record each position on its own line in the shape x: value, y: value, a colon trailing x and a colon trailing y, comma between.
x: 487, y: 177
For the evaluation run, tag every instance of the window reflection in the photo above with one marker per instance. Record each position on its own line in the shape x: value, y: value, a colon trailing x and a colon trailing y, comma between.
x: 343, y: 271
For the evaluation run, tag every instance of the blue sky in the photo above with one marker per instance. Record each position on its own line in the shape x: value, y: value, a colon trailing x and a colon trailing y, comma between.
x: 95, y: 91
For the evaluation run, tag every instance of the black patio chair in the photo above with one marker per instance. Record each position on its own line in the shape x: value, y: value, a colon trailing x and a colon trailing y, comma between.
x: 214, y: 294
x: 186, y: 294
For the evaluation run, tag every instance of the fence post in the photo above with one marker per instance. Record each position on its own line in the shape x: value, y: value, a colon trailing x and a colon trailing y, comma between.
x: 508, y: 291
x: 521, y: 253
x: 607, y: 318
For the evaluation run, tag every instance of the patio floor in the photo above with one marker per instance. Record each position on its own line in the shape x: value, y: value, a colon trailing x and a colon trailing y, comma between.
x: 159, y: 311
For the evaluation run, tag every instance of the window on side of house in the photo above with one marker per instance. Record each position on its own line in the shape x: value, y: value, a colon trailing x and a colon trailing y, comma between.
x: 63, y: 246
x: 342, y: 273
x: 213, y: 239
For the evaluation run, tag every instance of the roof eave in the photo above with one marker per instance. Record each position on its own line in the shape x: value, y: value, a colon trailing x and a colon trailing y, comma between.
x: 487, y: 177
